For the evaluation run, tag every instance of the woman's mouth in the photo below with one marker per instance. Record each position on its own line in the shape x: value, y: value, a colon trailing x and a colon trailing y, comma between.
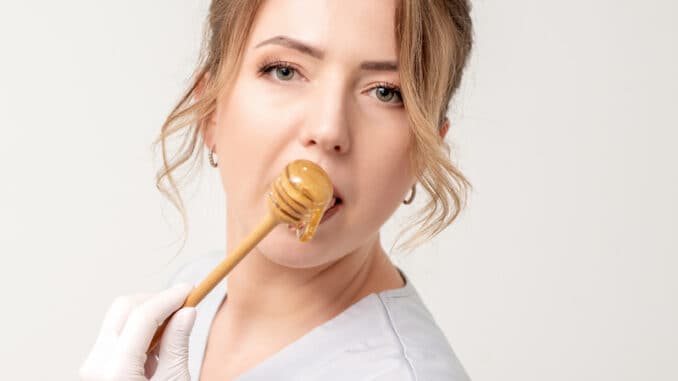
x: 335, y: 205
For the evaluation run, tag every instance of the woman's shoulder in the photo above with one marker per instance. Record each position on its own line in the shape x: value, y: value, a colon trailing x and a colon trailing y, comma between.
x: 389, y: 335
x: 423, y: 352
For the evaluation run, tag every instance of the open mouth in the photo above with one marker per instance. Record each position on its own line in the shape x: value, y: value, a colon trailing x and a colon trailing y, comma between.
x: 334, y: 206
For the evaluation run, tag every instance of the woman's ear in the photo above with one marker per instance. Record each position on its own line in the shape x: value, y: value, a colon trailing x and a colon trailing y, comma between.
x: 444, y: 128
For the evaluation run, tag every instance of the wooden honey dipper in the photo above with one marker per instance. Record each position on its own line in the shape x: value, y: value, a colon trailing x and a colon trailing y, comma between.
x: 299, y: 197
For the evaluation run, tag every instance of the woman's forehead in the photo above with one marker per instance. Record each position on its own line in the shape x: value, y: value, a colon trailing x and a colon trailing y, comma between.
x: 333, y: 27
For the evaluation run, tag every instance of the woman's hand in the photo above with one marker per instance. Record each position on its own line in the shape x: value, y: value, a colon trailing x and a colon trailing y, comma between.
x: 119, y: 352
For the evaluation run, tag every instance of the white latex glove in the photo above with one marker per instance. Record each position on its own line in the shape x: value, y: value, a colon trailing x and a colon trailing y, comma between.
x: 119, y: 353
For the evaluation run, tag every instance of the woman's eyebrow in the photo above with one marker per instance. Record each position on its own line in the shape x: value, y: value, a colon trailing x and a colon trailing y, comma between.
x: 319, y: 54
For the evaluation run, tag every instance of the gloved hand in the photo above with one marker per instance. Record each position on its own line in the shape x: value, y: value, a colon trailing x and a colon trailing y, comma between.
x: 119, y: 352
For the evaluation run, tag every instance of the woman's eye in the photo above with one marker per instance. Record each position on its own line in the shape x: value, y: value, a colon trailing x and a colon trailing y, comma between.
x: 387, y: 94
x: 281, y: 72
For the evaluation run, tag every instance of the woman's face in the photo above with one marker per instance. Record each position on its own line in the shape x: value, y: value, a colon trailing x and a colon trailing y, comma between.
x: 328, y: 101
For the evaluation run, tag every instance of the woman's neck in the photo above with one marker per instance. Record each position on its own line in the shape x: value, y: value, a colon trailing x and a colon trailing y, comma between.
x: 265, y: 297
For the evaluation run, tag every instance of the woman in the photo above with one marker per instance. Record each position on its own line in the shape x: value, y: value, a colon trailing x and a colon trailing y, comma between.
x: 360, y: 88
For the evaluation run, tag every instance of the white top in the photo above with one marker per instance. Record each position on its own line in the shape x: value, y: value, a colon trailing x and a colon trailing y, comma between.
x: 389, y: 336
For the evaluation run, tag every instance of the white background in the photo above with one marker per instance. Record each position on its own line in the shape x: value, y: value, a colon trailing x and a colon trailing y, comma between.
x: 563, y: 267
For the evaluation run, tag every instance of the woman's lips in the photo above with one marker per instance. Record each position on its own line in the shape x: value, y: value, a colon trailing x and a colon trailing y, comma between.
x: 332, y: 210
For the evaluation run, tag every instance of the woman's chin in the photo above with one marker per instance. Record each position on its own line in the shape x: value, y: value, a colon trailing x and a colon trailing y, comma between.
x: 282, y: 247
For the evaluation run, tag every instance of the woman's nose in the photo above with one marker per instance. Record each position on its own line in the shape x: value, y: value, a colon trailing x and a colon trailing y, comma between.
x: 327, y: 126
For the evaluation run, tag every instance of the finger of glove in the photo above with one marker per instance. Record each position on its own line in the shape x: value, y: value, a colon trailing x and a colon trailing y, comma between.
x: 173, y: 355
x: 107, y: 340
x: 119, y: 311
x: 145, y: 319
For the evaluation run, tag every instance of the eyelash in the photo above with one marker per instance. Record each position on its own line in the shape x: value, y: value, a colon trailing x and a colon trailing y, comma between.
x: 275, y: 63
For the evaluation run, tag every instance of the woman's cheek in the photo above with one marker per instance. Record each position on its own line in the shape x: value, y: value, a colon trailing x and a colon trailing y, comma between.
x: 386, y: 182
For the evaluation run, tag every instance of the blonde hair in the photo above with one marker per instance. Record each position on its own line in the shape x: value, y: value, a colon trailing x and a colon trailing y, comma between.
x: 435, y: 39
